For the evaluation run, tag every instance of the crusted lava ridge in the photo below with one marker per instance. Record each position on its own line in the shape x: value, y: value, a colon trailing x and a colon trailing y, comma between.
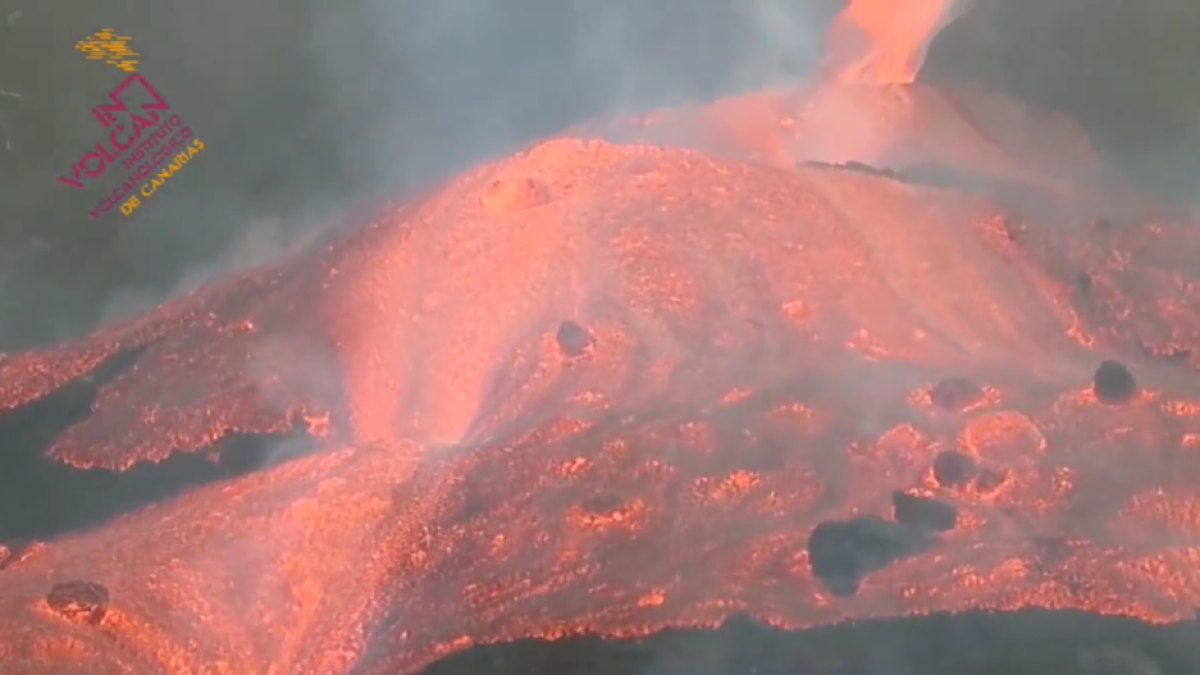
x: 41, y: 498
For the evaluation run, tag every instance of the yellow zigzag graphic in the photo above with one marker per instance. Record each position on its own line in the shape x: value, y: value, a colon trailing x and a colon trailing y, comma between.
x: 113, y: 49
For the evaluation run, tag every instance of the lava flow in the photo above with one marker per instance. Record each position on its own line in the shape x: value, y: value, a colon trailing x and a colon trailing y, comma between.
x: 883, y: 42
x: 613, y: 388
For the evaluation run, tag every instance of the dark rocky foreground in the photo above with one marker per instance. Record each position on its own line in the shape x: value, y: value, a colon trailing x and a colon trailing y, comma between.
x: 1017, y: 643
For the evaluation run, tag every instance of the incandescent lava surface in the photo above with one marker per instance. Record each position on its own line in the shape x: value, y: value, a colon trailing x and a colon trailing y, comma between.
x: 614, y: 388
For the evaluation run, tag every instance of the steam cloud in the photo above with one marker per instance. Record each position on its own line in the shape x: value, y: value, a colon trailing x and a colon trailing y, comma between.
x: 395, y: 96
x: 417, y: 92
x: 389, y: 98
x: 481, y: 79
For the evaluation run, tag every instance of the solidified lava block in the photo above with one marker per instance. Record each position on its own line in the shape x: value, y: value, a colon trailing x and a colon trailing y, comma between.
x: 955, y: 393
x: 842, y: 553
x: 79, y: 601
x: 952, y: 468
x: 1113, y: 383
x: 572, y: 339
x: 924, y: 512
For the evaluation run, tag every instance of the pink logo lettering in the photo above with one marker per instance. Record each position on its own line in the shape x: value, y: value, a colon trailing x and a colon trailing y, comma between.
x: 104, y: 112
x: 97, y: 161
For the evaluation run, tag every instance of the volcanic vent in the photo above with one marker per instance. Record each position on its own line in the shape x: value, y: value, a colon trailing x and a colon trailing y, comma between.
x: 624, y: 389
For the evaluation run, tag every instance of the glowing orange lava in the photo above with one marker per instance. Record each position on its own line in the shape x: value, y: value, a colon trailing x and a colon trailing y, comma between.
x: 611, y: 388
x: 884, y: 41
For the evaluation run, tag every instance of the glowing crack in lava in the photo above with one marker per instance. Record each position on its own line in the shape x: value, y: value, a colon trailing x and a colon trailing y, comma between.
x: 613, y: 388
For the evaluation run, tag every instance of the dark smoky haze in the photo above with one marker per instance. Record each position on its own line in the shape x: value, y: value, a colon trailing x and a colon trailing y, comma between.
x: 1125, y: 70
x: 309, y: 111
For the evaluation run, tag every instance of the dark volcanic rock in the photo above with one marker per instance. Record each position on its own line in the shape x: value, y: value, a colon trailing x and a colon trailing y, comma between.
x: 952, y: 468
x: 972, y: 643
x: 79, y: 601
x: 843, y: 552
x: 924, y: 512
x: 1113, y: 383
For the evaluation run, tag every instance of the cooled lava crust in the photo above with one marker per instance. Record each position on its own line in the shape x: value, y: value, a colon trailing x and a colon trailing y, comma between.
x: 612, y: 389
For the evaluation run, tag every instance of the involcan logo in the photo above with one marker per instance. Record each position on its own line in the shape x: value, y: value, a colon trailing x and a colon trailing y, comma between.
x: 141, y: 136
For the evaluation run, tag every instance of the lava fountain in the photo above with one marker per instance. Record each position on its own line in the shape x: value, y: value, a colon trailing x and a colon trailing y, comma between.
x: 880, y: 42
x: 613, y: 388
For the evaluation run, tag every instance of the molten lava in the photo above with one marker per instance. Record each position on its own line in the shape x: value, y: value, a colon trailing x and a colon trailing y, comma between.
x: 612, y: 388
x: 883, y: 41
